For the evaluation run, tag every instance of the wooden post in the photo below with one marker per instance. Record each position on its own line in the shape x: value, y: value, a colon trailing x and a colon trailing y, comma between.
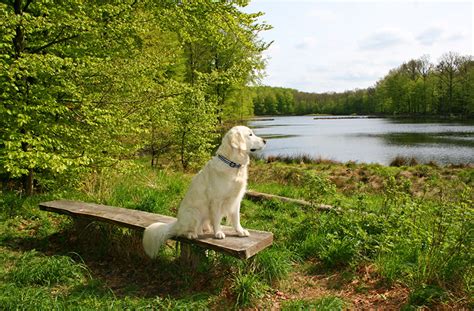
x: 190, y: 255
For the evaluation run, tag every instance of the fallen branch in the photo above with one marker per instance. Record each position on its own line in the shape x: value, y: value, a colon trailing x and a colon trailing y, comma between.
x: 259, y: 196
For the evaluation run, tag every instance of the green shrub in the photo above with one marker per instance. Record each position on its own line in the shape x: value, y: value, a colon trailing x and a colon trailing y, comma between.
x: 391, y: 267
x: 317, y: 186
x: 431, y: 244
x: 332, y: 250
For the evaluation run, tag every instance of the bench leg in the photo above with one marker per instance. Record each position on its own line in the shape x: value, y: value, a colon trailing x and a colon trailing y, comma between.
x: 190, y: 255
x: 80, y: 224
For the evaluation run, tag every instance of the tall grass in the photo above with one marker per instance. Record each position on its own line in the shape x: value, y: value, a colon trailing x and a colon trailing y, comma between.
x: 247, y: 289
x: 272, y: 265
x: 35, y: 269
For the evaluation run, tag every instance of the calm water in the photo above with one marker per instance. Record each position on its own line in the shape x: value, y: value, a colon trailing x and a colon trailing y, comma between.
x: 367, y: 140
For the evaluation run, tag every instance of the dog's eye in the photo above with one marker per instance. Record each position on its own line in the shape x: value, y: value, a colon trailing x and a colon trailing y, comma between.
x: 250, y: 134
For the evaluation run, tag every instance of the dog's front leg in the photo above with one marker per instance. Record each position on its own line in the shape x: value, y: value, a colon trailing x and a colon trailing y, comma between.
x: 235, y: 220
x: 216, y: 224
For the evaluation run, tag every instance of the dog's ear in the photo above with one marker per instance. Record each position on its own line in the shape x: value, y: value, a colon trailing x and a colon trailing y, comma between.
x: 237, y: 141
x: 226, y: 146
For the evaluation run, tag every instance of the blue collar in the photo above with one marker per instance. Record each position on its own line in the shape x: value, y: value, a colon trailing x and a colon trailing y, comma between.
x: 229, y: 162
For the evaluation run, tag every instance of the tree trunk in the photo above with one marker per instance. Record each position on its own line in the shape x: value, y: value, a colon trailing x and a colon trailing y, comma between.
x: 28, y: 182
x: 19, y: 39
x: 152, y: 145
x: 184, y: 162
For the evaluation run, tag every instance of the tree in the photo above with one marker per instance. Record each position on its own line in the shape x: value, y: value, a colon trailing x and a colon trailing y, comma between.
x: 220, y: 52
x: 56, y: 58
x: 446, y: 70
x: 221, y: 46
x: 466, y: 85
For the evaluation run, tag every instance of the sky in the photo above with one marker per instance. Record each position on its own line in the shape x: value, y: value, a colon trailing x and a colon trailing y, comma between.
x: 333, y: 46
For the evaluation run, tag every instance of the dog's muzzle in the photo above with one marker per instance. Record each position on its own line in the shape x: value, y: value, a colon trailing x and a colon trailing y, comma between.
x: 255, y: 149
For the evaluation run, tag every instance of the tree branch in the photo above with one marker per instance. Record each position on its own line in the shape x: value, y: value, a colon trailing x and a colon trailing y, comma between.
x: 55, y: 41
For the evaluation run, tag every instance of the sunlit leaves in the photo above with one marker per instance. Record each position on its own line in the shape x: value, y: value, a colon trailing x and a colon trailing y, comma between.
x: 84, y: 84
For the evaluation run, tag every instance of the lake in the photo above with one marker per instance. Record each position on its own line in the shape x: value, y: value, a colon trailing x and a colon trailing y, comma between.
x: 369, y: 140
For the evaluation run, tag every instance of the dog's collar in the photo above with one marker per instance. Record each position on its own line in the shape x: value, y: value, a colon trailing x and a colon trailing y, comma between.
x: 229, y: 162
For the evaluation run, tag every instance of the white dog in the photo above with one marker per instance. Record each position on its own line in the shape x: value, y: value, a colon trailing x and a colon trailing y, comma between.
x: 215, y: 192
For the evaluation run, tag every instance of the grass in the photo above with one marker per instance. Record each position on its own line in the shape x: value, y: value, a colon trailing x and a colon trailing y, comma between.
x: 246, y: 288
x: 35, y: 269
x: 272, y: 265
x: 403, y: 229
x: 329, y: 303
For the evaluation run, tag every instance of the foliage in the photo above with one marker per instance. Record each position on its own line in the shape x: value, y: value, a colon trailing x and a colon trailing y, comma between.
x: 86, y: 84
x: 440, y: 244
x: 316, y: 187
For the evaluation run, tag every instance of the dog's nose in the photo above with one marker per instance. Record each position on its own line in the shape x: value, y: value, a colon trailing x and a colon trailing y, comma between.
x: 264, y: 141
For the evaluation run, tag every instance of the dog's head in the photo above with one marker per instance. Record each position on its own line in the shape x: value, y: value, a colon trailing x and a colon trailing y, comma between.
x: 242, y: 139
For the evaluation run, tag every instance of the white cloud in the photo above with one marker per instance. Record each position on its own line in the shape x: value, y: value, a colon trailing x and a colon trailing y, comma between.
x: 430, y: 36
x: 361, y: 72
x: 456, y: 36
x: 384, y: 38
x: 322, y: 14
x: 306, y: 43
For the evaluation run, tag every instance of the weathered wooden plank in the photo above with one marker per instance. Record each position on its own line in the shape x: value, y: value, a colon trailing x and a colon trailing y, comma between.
x: 241, y: 247
x: 116, y: 215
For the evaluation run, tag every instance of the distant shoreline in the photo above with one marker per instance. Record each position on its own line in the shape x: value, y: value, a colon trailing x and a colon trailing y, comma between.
x: 342, y: 117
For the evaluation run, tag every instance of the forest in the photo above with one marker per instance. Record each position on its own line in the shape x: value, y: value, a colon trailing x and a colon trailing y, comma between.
x: 415, y: 88
x: 85, y: 84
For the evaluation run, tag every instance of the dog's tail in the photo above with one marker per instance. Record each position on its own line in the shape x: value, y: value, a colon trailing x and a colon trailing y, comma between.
x: 155, y: 235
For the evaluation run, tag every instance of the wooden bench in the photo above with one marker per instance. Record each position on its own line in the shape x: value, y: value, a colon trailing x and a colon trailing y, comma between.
x: 240, y: 247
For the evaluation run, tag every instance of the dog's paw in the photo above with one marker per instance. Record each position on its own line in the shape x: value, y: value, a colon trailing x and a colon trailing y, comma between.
x: 219, y: 235
x: 244, y: 232
x: 191, y: 235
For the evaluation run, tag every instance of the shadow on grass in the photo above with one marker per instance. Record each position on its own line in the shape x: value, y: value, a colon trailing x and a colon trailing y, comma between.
x: 117, y: 263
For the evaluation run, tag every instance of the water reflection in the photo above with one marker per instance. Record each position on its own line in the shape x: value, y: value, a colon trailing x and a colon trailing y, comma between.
x: 368, y: 140
x: 461, y: 139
